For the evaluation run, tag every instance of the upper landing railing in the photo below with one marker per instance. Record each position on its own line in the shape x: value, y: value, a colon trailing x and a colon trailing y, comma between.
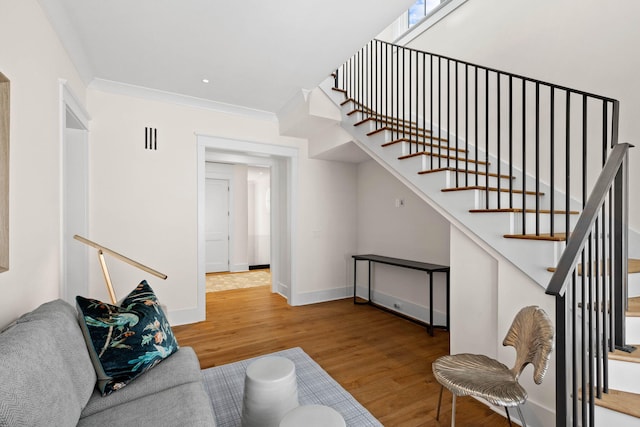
x: 543, y: 147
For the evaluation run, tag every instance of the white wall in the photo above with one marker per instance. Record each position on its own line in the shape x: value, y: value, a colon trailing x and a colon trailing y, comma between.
x: 589, y: 45
x: 144, y: 202
x: 259, y: 242
x: 34, y: 60
x: 414, y: 231
x: 487, y: 291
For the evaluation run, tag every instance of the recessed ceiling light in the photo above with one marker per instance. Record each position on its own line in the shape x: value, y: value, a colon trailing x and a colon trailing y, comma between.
x: 205, y: 80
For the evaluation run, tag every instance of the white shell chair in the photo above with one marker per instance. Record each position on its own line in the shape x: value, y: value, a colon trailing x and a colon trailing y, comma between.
x: 531, y: 334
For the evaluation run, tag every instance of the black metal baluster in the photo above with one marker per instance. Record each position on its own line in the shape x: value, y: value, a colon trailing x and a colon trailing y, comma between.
x: 431, y: 111
x: 449, y: 114
x: 456, y: 126
x: 552, y: 159
x: 476, y: 141
x: 486, y: 138
x: 439, y: 140
x: 567, y: 150
x: 510, y: 142
x: 466, y: 124
x: 537, y: 160
x: 498, y: 138
x: 524, y: 155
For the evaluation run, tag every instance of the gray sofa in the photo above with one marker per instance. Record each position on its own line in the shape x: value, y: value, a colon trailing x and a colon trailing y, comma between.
x: 47, y: 379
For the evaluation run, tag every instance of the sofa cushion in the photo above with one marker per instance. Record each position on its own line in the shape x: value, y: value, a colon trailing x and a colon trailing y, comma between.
x: 127, y: 340
x: 183, y: 405
x: 181, y: 368
x: 46, y: 373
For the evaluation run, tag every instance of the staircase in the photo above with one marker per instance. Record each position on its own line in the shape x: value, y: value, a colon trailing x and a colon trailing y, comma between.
x: 459, y: 163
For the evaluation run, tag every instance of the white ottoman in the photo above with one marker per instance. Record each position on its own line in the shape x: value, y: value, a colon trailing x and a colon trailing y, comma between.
x: 313, y: 416
x: 270, y: 391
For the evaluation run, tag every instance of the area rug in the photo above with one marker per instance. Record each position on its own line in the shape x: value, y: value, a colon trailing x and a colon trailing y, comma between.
x: 225, y: 386
x: 246, y: 279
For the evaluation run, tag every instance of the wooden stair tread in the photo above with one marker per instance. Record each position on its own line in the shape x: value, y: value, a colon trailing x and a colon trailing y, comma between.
x: 519, y: 210
x: 633, y: 357
x: 408, y: 133
x: 482, y: 187
x: 557, y: 237
x: 424, y: 144
x: 621, y: 401
x: 378, y: 115
x: 444, y: 156
x: 391, y: 122
x: 450, y: 169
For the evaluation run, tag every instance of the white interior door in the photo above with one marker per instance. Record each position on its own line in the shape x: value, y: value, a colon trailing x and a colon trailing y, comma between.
x: 217, y: 225
x: 75, y: 215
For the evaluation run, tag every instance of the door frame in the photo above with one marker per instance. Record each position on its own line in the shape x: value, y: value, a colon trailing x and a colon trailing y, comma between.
x: 70, y: 103
x: 212, y: 148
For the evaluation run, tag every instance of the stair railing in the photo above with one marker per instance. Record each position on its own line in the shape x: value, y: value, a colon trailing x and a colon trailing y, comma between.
x: 590, y: 286
x: 541, y: 136
x: 551, y: 148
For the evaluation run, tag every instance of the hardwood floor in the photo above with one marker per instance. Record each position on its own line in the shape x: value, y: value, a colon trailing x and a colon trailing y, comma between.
x: 382, y: 360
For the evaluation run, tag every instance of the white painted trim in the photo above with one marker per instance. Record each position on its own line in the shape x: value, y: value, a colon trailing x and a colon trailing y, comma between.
x: 315, y: 297
x: 77, y: 108
x: 178, y: 99
x: 236, y: 149
x: 237, y: 268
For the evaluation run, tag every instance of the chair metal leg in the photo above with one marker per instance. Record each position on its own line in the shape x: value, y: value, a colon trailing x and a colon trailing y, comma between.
x: 522, y: 421
x: 453, y: 411
x: 439, y: 402
x: 508, y: 416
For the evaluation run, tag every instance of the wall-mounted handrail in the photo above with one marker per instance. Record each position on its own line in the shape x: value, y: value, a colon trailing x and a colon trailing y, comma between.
x: 582, y: 230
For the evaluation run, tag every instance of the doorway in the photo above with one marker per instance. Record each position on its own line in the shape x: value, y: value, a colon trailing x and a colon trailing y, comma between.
x: 75, y: 195
x: 282, y: 197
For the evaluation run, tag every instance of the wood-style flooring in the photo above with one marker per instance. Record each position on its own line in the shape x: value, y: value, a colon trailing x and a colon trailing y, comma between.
x: 382, y: 360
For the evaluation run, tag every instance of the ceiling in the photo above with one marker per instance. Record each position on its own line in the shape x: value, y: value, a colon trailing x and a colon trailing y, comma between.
x: 255, y: 54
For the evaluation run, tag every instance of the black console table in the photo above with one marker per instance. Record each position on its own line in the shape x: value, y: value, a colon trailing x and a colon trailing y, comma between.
x: 414, y: 265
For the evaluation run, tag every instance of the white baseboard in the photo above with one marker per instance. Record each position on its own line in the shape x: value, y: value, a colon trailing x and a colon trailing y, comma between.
x: 236, y: 268
x: 185, y: 316
x: 407, y: 308
x: 322, y: 296
x: 535, y: 414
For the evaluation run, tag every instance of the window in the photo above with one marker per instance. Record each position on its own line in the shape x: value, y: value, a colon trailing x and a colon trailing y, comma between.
x: 421, y: 9
x: 420, y: 16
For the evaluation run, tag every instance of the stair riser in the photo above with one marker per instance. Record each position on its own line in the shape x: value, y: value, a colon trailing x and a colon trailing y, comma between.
x: 506, y: 200
x: 634, y: 286
x: 624, y: 376
x: 466, y: 179
x: 511, y: 223
x: 606, y: 418
x: 633, y: 331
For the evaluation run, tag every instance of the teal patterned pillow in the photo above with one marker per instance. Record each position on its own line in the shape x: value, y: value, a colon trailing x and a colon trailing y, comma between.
x: 127, y: 340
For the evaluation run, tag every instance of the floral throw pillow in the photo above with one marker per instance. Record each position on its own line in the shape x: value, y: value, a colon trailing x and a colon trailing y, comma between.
x: 127, y: 340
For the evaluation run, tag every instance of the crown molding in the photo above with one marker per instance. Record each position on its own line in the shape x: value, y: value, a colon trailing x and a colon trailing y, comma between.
x: 111, y: 86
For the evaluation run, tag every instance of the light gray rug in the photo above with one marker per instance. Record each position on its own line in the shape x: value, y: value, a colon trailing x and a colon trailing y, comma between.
x: 225, y: 386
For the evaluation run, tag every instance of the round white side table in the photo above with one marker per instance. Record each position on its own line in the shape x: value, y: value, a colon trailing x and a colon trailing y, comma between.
x: 270, y: 391
x: 313, y: 416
